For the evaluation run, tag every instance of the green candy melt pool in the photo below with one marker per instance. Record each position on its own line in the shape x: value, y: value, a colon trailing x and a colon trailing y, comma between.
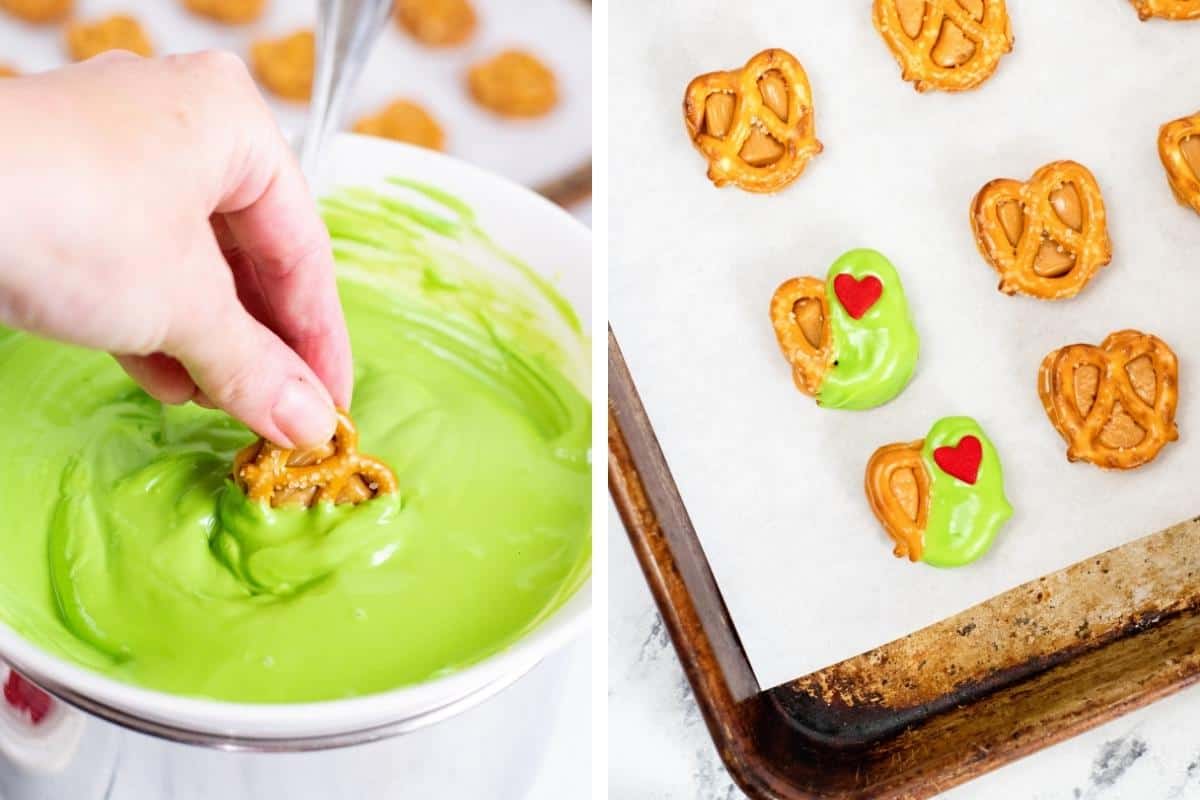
x: 875, y: 355
x: 128, y: 550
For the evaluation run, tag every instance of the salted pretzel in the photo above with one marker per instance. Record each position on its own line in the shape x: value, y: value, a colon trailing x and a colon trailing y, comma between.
x: 1167, y: 9
x: 117, y: 32
x: 800, y: 316
x: 403, y: 121
x: 438, y: 23
x: 1046, y: 237
x: 897, y: 485
x: 514, y: 83
x: 230, y: 12
x: 334, y: 472
x: 285, y: 65
x: 1179, y: 150
x: 950, y: 45
x: 754, y: 124
x: 38, y: 11
x: 1113, y: 404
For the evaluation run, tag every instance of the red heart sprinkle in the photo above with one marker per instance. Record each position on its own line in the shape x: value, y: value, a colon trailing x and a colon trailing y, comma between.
x: 24, y: 696
x: 962, y: 460
x: 857, y: 296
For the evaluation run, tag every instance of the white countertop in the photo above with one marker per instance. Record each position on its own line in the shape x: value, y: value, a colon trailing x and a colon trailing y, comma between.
x: 659, y: 748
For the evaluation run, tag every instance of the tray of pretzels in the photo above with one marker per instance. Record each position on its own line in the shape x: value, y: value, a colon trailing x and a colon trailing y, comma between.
x: 902, y: 373
x: 504, y: 87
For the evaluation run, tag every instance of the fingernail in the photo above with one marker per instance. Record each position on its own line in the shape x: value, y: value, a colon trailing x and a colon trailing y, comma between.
x: 304, y: 415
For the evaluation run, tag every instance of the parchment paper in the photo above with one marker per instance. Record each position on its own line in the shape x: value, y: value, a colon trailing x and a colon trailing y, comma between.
x: 774, y: 484
x: 529, y: 151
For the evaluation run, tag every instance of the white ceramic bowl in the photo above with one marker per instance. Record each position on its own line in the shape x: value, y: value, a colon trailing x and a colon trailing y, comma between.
x: 558, y: 247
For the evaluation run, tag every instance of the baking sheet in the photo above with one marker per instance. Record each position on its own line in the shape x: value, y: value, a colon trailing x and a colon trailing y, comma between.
x: 774, y: 484
x: 528, y: 151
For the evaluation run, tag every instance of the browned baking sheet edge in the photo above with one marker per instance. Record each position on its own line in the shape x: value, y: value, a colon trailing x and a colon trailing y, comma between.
x: 1010, y: 676
x: 569, y: 189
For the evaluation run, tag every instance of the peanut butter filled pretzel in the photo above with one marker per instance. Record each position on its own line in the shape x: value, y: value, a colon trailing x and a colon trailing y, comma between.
x: 952, y: 45
x: 335, y: 472
x: 1179, y: 150
x: 754, y: 124
x: 1046, y: 237
x: 1167, y: 9
x: 1113, y: 404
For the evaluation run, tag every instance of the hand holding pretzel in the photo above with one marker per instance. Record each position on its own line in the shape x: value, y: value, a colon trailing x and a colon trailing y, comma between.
x: 754, y: 125
x: 1113, y: 404
x: 1179, y: 150
x: 952, y: 45
x: 335, y: 472
x: 1167, y: 9
x: 1046, y: 237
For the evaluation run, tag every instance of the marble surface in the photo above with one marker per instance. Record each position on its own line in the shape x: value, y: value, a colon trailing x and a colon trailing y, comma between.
x: 659, y: 748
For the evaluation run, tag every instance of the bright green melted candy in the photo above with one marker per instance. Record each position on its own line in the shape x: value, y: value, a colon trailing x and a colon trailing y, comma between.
x: 126, y: 548
x: 875, y: 355
x: 963, y: 518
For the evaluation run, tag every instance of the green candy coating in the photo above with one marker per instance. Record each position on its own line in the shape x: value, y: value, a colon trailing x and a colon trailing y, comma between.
x: 874, y: 356
x: 963, y: 518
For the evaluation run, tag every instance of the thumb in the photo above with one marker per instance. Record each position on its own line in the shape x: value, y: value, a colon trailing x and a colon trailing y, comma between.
x: 249, y: 372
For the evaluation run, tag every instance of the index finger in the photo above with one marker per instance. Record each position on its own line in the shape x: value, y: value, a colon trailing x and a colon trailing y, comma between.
x: 275, y: 237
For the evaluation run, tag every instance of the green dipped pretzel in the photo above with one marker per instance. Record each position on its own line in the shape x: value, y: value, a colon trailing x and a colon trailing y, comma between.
x: 850, y: 338
x: 941, y: 499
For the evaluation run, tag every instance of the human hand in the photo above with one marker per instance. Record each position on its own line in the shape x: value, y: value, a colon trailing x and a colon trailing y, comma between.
x: 152, y: 209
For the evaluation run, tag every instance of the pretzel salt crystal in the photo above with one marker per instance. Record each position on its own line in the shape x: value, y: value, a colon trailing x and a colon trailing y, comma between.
x: 952, y: 45
x: 1046, y: 237
x: 1179, y: 150
x: 335, y: 472
x: 754, y: 124
x: 897, y: 485
x: 1167, y: 9
x: 1113, y: 404
x: 800, y: 316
